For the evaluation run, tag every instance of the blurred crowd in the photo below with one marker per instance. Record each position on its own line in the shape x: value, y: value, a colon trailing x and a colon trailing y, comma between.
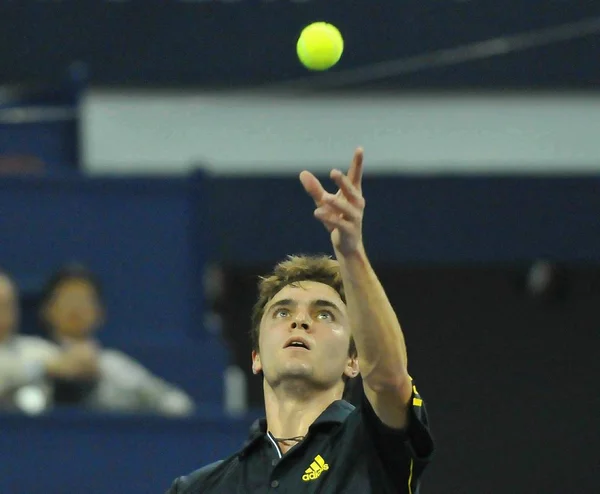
x: 67, y: 365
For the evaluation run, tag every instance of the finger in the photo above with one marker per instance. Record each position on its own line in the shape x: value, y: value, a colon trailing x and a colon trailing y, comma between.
x: 349, y: 191
x: 312, y: 186
x: 323, y: 215
x: 333, y: 220
x: 355, y: 171
x: 338, y: 205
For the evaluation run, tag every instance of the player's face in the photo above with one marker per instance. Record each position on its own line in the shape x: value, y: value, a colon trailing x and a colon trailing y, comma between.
x: 9, y: 310
x: 313, y: 315
x: 74, y: 310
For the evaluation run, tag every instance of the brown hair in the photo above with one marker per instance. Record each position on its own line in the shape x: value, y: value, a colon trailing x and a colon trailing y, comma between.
x: 295, y: 269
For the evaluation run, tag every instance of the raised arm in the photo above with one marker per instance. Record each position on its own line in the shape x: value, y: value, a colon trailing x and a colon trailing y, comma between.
x: 375, y: 327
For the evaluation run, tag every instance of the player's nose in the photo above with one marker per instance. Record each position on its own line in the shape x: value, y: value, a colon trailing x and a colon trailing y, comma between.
x: 301, y: 321
x: 302, y: 325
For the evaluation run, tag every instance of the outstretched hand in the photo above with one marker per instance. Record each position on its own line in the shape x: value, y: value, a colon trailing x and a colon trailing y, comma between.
x: 341, y: 213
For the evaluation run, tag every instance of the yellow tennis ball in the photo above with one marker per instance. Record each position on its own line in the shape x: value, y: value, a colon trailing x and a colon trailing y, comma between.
x: 320, y: 46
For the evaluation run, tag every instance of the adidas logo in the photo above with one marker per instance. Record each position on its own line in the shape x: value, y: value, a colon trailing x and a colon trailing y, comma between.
x: 315, y: 469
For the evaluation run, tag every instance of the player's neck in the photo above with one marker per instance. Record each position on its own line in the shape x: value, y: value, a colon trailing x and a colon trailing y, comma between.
x: 290, y: 413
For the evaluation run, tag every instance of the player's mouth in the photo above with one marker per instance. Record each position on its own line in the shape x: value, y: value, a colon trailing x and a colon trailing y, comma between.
x: 297, y: 342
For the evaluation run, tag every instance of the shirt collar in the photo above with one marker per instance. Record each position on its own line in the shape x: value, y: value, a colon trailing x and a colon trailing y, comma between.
x: 335, y: 413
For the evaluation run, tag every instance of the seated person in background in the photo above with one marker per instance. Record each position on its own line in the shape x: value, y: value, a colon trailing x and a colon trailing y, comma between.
x: 72, y: 311
x: 27, y: 362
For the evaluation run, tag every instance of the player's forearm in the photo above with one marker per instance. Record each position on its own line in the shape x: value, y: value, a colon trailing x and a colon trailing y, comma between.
x: 375, y: 327
x: 164, y: 397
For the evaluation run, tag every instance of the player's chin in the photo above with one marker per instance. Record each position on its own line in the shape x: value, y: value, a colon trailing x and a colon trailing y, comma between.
x: 298, y: 365
x: 297, y: 369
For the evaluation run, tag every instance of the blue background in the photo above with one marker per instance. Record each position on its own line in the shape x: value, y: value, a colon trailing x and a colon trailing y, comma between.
x: 245, y: 43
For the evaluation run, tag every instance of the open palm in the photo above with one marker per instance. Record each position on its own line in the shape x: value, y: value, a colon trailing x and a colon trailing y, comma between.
x: 341, y: 213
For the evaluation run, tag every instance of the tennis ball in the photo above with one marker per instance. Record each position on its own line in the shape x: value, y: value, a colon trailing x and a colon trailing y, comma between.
x: 320, y: 46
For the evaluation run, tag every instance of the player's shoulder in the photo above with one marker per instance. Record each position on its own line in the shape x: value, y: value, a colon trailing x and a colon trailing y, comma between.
x: 191, y: 483
x: 35, y: 343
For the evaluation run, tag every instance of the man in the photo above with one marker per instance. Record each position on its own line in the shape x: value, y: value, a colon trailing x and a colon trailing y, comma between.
x: 27, y: 362
x: 315, y: 320
x: 72, y: 312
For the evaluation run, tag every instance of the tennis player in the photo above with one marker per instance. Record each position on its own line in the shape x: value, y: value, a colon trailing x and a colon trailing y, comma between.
x: 317, y: 323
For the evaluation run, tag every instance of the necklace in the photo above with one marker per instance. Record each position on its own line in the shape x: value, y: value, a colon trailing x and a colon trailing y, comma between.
x: 295, y: 439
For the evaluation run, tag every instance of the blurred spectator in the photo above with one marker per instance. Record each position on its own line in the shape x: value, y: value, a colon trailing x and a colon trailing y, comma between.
x: 72, y: 311
x: 26, y: 362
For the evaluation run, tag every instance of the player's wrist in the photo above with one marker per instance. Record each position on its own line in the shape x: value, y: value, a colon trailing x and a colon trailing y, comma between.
x: 357, y: 254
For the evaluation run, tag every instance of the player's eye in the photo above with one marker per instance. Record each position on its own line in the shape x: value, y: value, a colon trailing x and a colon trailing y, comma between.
x: 325, y: 315
x: 281, y: 313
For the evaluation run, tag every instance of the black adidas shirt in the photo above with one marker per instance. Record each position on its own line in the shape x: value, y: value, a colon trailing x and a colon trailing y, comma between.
x: 347, y: 450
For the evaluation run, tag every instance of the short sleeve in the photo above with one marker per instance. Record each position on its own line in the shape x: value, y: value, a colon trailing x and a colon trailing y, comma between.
x: 195, y: 481
x: 403, y: 452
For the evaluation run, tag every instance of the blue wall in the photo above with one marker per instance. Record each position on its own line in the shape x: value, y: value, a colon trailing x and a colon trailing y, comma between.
x: 416, y: 219
x: 138, y: 234
x: 70, y: 452
x: 145, y: 240
x: 149, y: 239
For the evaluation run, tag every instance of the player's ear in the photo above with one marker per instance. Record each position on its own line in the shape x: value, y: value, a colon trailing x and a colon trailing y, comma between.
x: 352, y: 369
x: 256, y: 363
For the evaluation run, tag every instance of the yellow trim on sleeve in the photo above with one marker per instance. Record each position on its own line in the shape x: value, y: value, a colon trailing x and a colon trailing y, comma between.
x: 410, y: 477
